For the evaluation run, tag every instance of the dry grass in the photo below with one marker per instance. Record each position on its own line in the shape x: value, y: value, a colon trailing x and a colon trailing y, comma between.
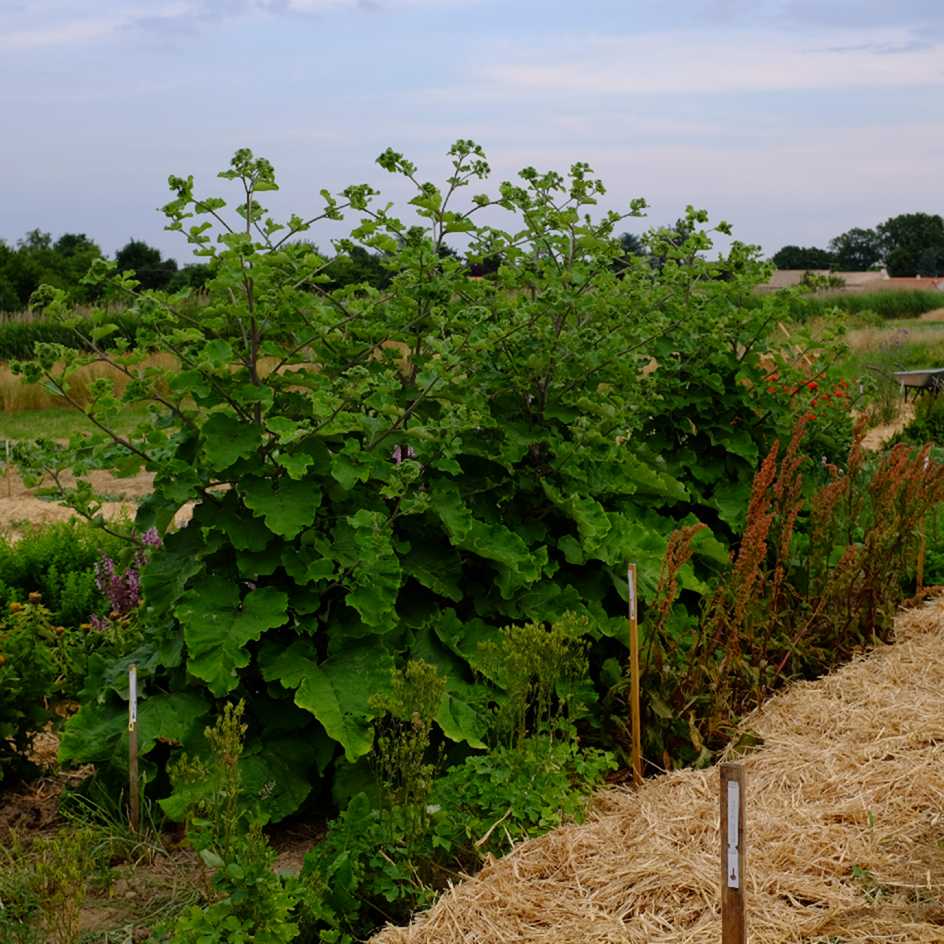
x: 16, y: 395
x: 845, y: 821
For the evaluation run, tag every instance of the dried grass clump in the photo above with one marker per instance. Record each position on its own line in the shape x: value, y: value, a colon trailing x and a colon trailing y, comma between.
x: 845, y: 823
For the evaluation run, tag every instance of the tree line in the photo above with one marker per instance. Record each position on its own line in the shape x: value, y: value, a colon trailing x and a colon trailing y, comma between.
x: 38, y: 259
x: 907, y: 245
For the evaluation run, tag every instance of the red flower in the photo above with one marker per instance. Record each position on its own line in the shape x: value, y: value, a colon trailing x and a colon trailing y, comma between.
x: 812, y: 385
x: 771, y: 389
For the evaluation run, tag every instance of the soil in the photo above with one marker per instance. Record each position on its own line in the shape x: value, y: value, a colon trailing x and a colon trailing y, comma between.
x: 878, y: 436
x: 21, y: 507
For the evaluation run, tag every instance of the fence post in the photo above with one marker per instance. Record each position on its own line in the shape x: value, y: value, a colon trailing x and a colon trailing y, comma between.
x: 634, y: 675
x: 733, y: 920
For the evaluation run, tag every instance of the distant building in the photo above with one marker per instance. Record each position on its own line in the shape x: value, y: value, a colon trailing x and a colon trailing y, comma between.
x: 878, y: 281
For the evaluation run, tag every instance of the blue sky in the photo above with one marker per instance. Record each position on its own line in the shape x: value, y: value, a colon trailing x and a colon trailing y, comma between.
x: 793, y: 119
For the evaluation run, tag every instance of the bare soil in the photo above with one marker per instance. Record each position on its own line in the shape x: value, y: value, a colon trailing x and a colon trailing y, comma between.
x: 21, y: 507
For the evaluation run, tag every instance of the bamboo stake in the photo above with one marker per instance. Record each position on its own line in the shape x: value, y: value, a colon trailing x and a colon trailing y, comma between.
x: 634, y: 675
x: 733, y: 919
x: 135, y: 809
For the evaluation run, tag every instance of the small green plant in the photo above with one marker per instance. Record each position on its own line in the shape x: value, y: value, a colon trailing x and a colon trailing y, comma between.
x: 18, y: 893
x: 44, y: 885
x: 927, y: 424
x: 246, y: 900
x: 540, y: 671
x: 28, y: 675
x: 403, y: 731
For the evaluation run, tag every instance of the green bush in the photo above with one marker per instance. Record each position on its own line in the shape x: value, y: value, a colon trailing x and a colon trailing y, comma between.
x: 388, y: 475
x: 927, y: 425
x: 18, y: 337
x: 58, y: 561
x: 28, y: 673
x: 887, y: 304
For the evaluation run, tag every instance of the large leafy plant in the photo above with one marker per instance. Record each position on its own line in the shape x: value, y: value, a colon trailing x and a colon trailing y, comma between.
x: 376, y: 474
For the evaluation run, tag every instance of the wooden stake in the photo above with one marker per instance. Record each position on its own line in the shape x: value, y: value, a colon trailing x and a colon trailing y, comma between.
x: 134, y: 799
x: 733, y: 920
x: 634, y: 675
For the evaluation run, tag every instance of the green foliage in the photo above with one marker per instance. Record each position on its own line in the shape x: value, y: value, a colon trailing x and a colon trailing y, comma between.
x: 927, y: 425
x: 247, y: 901
x: 18, y: 336
x: 44, y: 885
x: 146, y: 264
x: 380, y: 863
x: 37, y: 260
x: 27, y: 680
x: 890, y: 304
x: 540, y: 671
x: 379, y: 476
x: 803, y: 257
x: 856, y: 250
x: 403, y: 733
x: 913, y: 244
x: 57, y: 561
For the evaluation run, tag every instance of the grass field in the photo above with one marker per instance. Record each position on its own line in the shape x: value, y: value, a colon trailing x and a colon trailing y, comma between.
x: 58, y: 423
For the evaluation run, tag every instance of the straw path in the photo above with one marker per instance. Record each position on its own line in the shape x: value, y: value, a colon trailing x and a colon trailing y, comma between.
x: 845, y: 830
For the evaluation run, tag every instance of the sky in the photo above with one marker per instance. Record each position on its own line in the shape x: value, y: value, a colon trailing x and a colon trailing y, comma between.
x: 792, y: 119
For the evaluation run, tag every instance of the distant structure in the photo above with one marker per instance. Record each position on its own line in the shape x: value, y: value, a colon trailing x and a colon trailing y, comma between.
x: 877, y: 281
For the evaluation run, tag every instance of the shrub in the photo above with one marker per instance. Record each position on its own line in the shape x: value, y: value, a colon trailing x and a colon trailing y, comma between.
x: 397, y: 473
x: 57, y: 561
x: 27, y: 682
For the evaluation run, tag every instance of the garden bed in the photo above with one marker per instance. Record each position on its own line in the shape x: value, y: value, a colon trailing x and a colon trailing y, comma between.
x: 845, y: 817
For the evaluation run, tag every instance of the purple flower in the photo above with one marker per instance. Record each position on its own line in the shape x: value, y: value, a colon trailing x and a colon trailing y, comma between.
x: 403, y: 452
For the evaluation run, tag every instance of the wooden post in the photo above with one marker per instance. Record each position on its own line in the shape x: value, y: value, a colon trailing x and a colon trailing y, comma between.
x: 134, y: 799
x: 634, y: 675
x: 733, y: 921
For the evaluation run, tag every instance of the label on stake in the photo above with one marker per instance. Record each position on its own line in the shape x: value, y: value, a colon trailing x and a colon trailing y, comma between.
x: 734, y: 837
x: 631, y: 587
x: 734, y: 875
x: 132, y: 697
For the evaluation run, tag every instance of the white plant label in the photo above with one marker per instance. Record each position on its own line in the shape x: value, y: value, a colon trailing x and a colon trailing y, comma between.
x: 631, y: 586
x: 132, y: 696
x: 734, y: 838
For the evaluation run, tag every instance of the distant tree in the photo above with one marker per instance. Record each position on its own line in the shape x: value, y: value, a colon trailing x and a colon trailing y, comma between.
x: 857, y: 250
x: 931, y: 261
x: 908, y: 238
x: 195, y: 276
x: 9, y: 300
x: 481, y: 266
x: 37, y: 260
x: 802, y: 257
x: 152, y: 271
x: 357, y: 265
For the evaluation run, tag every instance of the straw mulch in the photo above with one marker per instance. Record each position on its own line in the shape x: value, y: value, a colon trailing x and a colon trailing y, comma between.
x: 845, y: 830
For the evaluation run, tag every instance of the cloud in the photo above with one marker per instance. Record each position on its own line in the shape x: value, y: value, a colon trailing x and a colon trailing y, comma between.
x: 47, y: 23
x: 701, y: 62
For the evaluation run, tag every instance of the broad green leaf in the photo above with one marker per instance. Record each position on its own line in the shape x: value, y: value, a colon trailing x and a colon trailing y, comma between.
x: 226, y: 439
x: 438, y: 568
x: 218, y: 625
x: 363, y: 543
x: 287, y: 509
x: 336, y: 691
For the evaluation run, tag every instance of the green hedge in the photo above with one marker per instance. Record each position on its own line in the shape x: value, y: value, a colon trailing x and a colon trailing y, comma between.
x: 18, y: 337
x: 58, y: 561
